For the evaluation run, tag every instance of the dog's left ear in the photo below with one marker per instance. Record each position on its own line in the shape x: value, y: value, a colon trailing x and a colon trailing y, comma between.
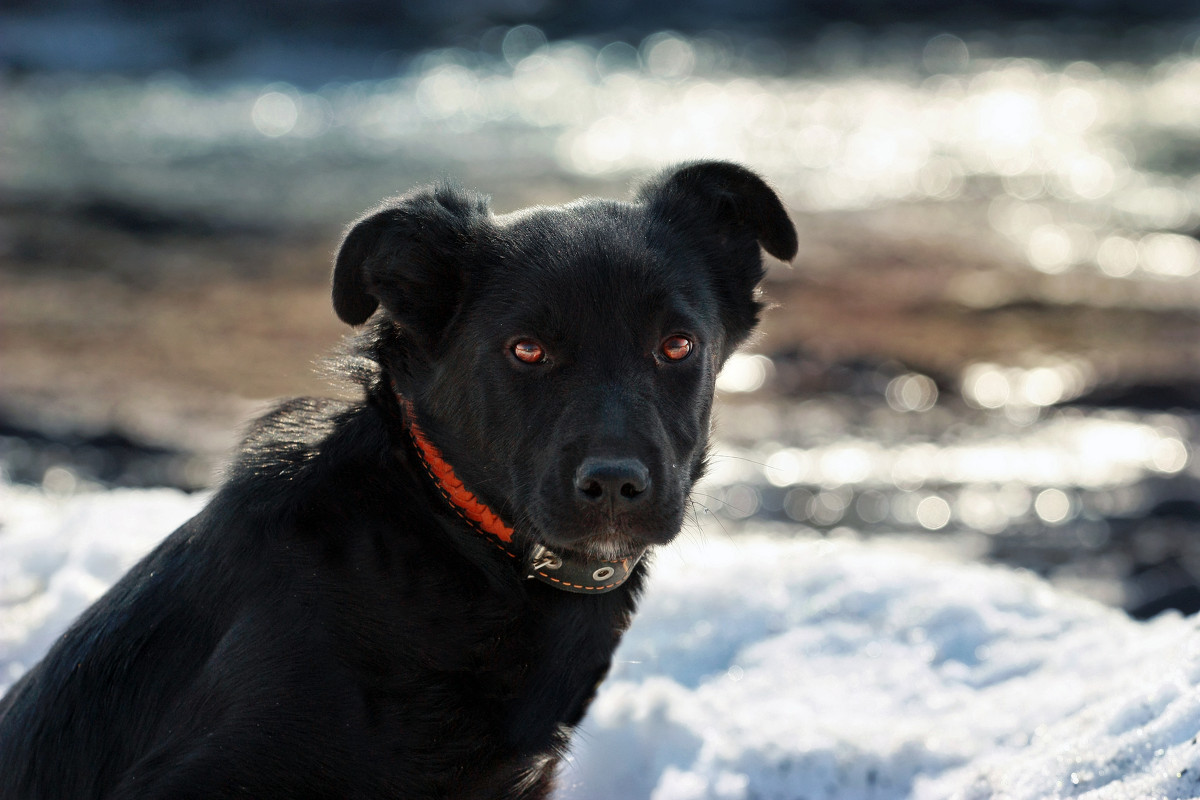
x: 409, y: 256
x: 723, y: 197
x: 729, y: 212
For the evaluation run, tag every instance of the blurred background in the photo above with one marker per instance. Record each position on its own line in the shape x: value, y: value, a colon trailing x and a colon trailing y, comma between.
x: 990, y: 338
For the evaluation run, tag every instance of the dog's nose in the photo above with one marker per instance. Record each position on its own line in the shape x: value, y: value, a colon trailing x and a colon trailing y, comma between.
x: 619, y: 482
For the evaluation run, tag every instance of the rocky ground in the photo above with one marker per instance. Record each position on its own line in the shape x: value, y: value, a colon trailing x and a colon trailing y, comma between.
x: 134, y: 347
x: 172, y: 331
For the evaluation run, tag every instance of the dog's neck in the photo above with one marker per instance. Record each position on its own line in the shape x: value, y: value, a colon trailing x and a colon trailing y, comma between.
x: 562, y: 571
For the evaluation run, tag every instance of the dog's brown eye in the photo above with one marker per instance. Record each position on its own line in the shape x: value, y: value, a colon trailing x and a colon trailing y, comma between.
x: 529, y: 351
x: 676, y: 348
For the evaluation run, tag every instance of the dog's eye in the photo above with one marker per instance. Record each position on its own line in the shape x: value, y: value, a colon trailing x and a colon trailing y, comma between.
x: 529, y: 351
x: 676, y: 348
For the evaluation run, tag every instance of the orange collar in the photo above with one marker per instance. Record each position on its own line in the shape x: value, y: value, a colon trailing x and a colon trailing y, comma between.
x: 570, y: 574
x: 477, y: 514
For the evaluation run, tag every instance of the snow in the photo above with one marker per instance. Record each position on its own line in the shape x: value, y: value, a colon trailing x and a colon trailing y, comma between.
x: 769, y: 665
x: 58, y: 554
x: 766, y: 667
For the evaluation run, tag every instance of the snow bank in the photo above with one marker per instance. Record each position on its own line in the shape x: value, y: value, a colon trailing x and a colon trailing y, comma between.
x: 764, y: 667
x: 59, y: 554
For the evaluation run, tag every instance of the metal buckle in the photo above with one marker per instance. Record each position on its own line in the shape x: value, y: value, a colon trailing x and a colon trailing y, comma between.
x: 543, y: 558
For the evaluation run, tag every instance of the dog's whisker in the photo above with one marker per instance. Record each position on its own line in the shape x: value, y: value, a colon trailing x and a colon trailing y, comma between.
x: 715, y: 517
x: 740, y: 509
x: 762, y: 464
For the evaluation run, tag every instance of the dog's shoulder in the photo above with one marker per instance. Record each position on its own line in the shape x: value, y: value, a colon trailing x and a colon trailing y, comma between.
x: 289, y: 436
x: 306, y: 445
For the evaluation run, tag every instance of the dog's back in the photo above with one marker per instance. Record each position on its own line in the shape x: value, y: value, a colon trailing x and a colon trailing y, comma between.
x: 202, y: 655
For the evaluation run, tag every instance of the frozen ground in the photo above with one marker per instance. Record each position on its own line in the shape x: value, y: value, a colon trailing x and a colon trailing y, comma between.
x: 767, y: 667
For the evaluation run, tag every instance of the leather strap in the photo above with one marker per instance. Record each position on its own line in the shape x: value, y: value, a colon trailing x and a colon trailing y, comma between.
x: 594, y: 576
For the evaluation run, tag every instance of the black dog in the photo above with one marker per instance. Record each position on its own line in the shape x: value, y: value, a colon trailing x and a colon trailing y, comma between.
x: 416, y: 595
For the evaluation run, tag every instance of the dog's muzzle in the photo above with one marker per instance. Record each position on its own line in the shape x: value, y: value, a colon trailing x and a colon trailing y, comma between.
x: 569, y: 573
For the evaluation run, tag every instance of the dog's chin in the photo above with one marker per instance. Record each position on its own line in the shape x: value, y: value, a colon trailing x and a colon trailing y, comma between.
x: 609, y: 546
x: 612, y: 542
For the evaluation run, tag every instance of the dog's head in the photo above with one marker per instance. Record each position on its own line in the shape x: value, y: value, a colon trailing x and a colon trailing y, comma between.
x: 563, y: 359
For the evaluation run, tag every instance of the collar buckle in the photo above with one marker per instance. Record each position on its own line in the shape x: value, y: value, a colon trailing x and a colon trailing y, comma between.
x: 576, y: 575
x: 543, y: 558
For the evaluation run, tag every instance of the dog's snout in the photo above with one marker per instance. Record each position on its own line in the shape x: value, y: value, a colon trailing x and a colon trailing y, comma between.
x: 619, y: 482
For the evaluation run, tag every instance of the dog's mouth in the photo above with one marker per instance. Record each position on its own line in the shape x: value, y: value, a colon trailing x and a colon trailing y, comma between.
x: 608, y: 540
x: 588, y: 529
x: 610, y: 545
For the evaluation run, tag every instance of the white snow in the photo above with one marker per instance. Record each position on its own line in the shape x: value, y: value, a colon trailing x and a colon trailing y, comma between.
x: 762, y: 665
x: 59, y: 554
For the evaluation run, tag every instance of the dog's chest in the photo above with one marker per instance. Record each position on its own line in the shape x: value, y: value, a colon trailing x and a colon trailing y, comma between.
x: 489, y: 704
x: 517, y: 668
x: 542, y: 668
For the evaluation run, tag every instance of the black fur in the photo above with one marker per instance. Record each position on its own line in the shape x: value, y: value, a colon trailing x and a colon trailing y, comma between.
x: 326, y: 627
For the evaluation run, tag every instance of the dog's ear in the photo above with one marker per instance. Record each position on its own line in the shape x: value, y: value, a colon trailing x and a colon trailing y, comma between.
x: 725, y: 198
x: 728, y: 212
x: 408, y: 255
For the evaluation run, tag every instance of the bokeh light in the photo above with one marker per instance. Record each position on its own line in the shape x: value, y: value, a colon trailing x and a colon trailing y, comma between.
x: 1054, y: 188
x: 1063, y: 142
x: 744, y: 373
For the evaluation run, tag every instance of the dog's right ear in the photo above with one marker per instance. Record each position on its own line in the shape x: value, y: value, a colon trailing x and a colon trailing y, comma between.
x: 408, y: 255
